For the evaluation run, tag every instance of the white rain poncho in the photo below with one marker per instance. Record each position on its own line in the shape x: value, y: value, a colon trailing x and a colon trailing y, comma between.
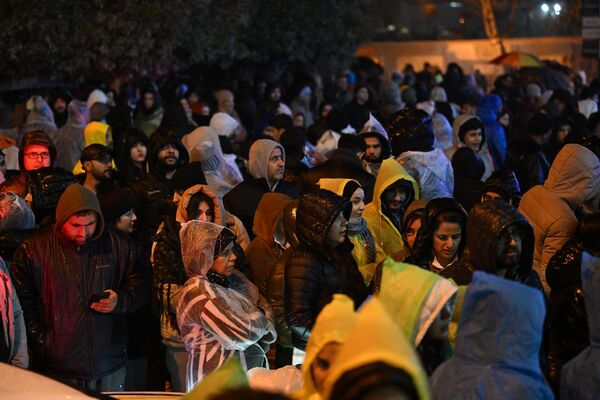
x: 221, y: 172
x: 219, y: 321
x: 432, y: 171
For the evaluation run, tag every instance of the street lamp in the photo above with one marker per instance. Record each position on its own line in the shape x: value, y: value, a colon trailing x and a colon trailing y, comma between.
x: 545, y: 8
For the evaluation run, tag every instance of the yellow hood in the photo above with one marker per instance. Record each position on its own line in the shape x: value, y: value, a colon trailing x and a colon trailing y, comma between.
x: 94, y: 133
x: 333, y: 325
x: 376, y: 338
x: 335, y: 185
x: 413, y: 297
x: 390, y: 172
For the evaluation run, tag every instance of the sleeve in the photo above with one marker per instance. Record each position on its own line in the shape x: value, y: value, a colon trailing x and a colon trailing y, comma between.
x: 20, y: 356
x: 136, y: 287
x: 234, y: 329
x: 558, y: 234
x: 302, y: 287
x: 276, y: 298
x: 29, y: 298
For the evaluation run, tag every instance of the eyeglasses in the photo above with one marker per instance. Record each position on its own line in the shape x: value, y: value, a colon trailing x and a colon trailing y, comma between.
x: 35, y: 156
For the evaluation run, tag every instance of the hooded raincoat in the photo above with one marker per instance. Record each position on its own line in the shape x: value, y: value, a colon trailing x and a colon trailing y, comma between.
x: 387, y: 236
x: 218, y: 321
x: 69, y: 140
x: 574, y: 179
x: 375, y: 338
x: 94, y: 132
x: 333, y: 325
x: 41, y: 118
x: 221, y: 171
x: 432, y: 171
x: 366, y: 252
x: 579, y: 377
x: 497, y: 345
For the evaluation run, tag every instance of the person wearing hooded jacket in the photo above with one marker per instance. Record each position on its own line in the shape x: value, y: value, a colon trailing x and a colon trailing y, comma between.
x: 412, y: 138
x: 440, y: 241
x: 377, y: 145
x: 469, y: 131
x: 573, y: 183
x: 69, y: 140
x: 499, y: 241
x: 322, y: 264
x: 333, y: 325
x: 385, y: 221
x: 497, y: 344
x: 149, y: 113
x: 220, y: 170
x: 220, y: 313
x: 366, y: 252
x: 579, y: 376
x: 36, y: 151
x: 266, y: 163
x: 95, y: 133
x: 153, y: 191
x: 421, y: 303
x: 269, y: 241
x: 502, y: 184
x: 376, y: 361
x: 487, y: 110
x: 59, y: 274
x: 40, y: 118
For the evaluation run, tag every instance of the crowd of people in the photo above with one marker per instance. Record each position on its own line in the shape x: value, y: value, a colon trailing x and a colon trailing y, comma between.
x: 424, y: 236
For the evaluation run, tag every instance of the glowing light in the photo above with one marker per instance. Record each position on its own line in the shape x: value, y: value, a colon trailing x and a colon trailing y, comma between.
x: 391, y: 28
x: 456, y: 4
x: 557, y: 8
x: 545, y: 7
x: 461, y: 21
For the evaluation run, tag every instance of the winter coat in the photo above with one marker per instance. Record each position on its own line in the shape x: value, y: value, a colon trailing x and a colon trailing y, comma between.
x: 55, y: 283
x: 169, y: 271
x: 468, y: 172
x: 497, y: 345
x: 569, y: 332
x: 375, y: 338
x: 579, y: 377
x: 487, y: 111
x: 422, y: 253
x: 574, y: 179
x: 432, y: 171
x: 69, y: 139
x: 343, y: 163
x: 485, y: 225
x: 313, y: 272
x: 333, y: 325
x: 386, y: 233
x: 528, y: 160
x: 263, y: 251
x: 414, y: 298
x: 41, y: 118
x: 12, y: 320
x: 153, y: 191
x: 221, y: 171
x: 218, y: 321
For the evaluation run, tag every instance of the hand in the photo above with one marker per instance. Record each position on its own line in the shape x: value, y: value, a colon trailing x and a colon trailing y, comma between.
x: 106, y: 305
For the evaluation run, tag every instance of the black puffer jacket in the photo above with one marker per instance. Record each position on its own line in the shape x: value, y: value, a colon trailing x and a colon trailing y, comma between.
x: 313, y: 272
x: 422, y: 251
x: 486, y: 223
x: 55, y: 281
x: 529, y: 162
x: 569, y: 333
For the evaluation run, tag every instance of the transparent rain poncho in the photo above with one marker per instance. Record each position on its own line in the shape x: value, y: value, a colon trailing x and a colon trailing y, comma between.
x: 219, y: 321
x: 221, y: 173
x: 15, y: 213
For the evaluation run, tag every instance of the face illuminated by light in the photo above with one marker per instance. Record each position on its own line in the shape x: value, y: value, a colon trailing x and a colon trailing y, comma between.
x: 358, y: 206
x: 224, y: 264
x: 275, y: 168
x: 446, y: 240
x: 80, y: 227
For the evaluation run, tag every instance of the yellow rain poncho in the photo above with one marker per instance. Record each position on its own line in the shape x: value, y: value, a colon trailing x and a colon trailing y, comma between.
x: 414, y: 297
x: 376, y: 338
x: 366, y: 262
x: 94, y: 132
x: 333, y: 325
x: 385, y: 233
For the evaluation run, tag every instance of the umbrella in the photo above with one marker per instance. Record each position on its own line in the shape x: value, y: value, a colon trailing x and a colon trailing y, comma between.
x: 517, y: 59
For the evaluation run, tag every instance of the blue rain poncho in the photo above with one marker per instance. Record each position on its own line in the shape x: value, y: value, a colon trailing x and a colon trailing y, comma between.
x: 497, y: 345
x: 580, y: 377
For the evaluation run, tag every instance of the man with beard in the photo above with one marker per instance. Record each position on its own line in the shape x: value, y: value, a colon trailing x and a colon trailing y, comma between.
x: 499, y: 241
x: 377, y: 150
x: 153, y: 193
x: 97, y: 164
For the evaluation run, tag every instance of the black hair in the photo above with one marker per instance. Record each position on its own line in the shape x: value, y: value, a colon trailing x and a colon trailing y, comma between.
x: 195, y: 200
x: 451, y: 216
x: 362, y: 381
x: 412, y: 217
x: 356, y: 143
